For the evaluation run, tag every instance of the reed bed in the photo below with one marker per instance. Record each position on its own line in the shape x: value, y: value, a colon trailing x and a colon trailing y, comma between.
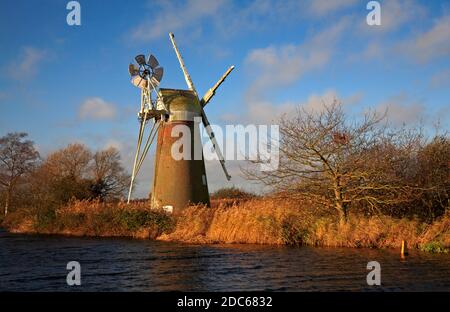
x: 93, y: 218
x: 289, y: 222
x: 277, y: 221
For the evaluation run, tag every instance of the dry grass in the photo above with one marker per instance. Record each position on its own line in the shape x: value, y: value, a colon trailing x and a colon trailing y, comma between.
x: 256, y: 221
x: 92, y: 218
x: 275, y: 221
x: 234, y: 221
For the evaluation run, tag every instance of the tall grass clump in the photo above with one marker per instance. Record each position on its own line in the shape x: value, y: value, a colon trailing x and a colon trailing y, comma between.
x: 93, y: 218
x: 289, y: 222
x: 253, y: 221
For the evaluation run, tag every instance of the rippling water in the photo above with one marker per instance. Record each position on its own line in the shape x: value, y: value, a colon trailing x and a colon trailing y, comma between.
x: 38, y: 263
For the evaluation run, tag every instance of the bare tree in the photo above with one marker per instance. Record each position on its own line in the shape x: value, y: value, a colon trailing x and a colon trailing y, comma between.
x: 75, y: 172
x: 110, y: 179
x: 17, y: 158
x: 335, y: 162
x: 70, y: 162
x: 433, y: 164
x: 67, y: 174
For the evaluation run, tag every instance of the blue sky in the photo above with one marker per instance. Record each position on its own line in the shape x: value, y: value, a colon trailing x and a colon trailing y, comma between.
x: 65, y: 84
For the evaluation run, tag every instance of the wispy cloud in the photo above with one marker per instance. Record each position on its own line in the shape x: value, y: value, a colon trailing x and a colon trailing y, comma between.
x: 279, y: 66
x: 374, y: 50
x: 440, y: 79
x: 174, y: 16
x: 394, y: 15
x: 401, y: 110
x: 96, y: 109
x: 27, y: 64
x: 321, y: 8
x: 228, y: 18
x: 382, y: 42
x: 266, y: 112
x: 431, y: 44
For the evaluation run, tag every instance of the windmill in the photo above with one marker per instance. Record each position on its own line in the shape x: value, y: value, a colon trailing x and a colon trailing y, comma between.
x: 176, y: 183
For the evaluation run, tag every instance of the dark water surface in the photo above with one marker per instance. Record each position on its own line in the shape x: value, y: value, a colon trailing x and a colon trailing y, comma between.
x: 38, y: 263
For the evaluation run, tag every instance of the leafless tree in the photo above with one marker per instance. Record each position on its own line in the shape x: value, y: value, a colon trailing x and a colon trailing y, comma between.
x: 18, y: 157
x: 76, y: 172
x: 433, y: 175
x: 336, y: 163
x: 70, y: 162
x: 110, y: 179
x: 64, y: 175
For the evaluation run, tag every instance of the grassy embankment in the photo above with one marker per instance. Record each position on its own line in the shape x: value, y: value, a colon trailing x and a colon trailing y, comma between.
x: 257, y: 221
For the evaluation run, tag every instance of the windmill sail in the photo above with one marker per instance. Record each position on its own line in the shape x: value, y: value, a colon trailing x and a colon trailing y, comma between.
x: 205, y: 121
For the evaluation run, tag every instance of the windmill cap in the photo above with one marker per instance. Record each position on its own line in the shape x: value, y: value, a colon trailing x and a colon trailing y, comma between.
x: 181, y: 100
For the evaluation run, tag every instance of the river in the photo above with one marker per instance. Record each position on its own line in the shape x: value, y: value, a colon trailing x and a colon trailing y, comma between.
x: 38, y: 263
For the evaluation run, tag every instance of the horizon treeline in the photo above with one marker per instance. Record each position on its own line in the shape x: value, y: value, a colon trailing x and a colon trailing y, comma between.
x: 74, y: 172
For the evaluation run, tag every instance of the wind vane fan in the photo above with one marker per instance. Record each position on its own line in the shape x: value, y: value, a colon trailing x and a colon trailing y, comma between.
x: 176, y: 182
x: 147, y: 73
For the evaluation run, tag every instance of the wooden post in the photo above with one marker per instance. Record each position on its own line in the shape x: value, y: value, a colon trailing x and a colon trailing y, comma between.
x: 404, y: 250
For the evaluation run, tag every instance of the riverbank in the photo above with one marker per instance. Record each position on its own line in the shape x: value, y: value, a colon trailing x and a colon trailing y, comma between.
x: 254, y: 221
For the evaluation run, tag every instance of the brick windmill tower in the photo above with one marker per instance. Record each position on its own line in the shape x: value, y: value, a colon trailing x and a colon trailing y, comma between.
x: 177, y: 182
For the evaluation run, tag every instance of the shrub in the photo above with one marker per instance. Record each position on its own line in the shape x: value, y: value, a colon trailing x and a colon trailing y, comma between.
x: 232, y: 193
x: 136, y: 219
x: 434, y: 247
x: 45, y: 218
x: 292, y: 233
x: 65, y: 221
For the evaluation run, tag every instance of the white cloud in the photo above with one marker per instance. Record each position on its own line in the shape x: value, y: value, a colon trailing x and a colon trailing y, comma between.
x: 378, y: 40
x: 324, y: 7
x: 374, y: 50
x: 97, y: 109
x: 430, y: 44
x: 169, y: 17
x: 394, y: 14
x: 227, y: 17
x: 317, y: 102
x: 277, y: 66
x: 119, y: 145
x: 27, y: 63
x: 440, y: 79
x: 280, y: 66
x: 401, y: 110
x: 266, y: 112
x: 242, y: 17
